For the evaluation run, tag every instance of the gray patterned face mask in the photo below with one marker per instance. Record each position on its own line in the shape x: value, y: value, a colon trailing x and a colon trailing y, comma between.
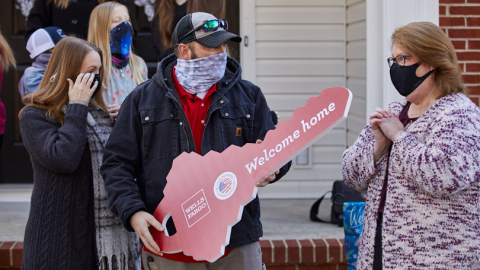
x: 198, y: 75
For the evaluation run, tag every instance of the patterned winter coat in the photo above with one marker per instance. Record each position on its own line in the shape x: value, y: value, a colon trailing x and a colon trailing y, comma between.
x: 432, y: 210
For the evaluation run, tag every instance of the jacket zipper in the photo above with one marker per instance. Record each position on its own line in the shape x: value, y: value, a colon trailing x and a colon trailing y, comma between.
x: 186, y: 135
x: 208, y: 117
x: 184, y: 122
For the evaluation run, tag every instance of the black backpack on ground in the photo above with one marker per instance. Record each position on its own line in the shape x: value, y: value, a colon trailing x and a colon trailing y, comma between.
x: 340, y: 193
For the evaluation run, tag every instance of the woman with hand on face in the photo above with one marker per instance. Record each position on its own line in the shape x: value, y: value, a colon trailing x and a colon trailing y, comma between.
x: 111, y: 30
x: 64, y: 128
x: 419, y: 162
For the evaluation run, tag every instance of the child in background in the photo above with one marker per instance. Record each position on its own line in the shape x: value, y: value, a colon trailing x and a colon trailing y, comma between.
x: 40, y: 46
x: 6, y: 61
x: 111, y: 31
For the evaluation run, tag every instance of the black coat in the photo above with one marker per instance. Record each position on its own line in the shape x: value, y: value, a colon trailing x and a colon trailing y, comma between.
x: 73, y: 20
x: 149, y: 134
x: 60, y: 232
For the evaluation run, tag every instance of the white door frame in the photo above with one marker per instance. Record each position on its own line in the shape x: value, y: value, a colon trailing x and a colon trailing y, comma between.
x: 247, y: 47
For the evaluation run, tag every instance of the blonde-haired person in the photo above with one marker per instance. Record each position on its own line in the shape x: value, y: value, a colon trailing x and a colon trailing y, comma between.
x: 111, y: 31
x: 64, y: 128
x: 7, y: 60
x: 419, y: 162
x: 69, y: 15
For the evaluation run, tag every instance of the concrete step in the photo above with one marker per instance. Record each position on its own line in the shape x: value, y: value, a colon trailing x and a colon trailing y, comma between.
x: 15, y: 192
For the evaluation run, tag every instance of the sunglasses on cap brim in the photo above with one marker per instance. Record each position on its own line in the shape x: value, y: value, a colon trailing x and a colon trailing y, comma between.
x: 208, y: 26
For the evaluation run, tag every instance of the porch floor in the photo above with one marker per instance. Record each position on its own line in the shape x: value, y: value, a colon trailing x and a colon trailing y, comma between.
x: 281, y: 219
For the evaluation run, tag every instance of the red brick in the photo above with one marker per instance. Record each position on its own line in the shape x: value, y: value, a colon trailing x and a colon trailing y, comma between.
x: 474, y: 100
x: 17, y: 252
x: 281, y: 267
x: 266, y: 251
x: 5, y: 253
x: 335, y: 252
x: 308, y: 267
x: 344, y: 255
x: 464, y: 10
x: 342, y: 267
x: 471, y: 79
x: 473, y: 90
x: 473, y: 67
x: 461, y: 66
x: 279, y: 251
x: 321, y: 251
x: 307, y: 251
x: 317, y: 267
x: 293, y: 251
x: 473, y: 21
x: 442, y: 10
x: 452, y: 21
x: 473, y: 1
x: 474, y: 44
x: 451, y: 1
x: 464, y: 33
x: 459, y: 44
x: 468, y: 56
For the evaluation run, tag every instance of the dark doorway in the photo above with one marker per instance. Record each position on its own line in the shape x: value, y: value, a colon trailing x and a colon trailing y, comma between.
x: 15, y: 166
x: 14, y: 159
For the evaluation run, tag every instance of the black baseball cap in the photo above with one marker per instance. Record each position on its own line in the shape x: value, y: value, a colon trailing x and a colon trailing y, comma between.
x: 183, y: 31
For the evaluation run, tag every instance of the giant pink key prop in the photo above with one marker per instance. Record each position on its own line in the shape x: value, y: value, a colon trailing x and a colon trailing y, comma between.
x: 206, y: 198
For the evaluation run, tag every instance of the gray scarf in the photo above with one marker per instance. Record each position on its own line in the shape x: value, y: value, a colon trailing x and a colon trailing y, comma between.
x: 196, y: 76
x: 116, y: 247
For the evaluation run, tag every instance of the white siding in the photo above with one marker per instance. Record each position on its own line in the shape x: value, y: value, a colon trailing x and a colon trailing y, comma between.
x: 356, y: 30
x: 299, y: 50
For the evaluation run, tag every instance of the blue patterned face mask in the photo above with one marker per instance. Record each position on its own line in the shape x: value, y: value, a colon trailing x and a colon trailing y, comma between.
x: 120, y: 42
x: 198, y: 75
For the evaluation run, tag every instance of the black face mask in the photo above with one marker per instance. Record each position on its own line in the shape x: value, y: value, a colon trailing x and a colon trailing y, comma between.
x: 404, y: 78
x: 99, y: 85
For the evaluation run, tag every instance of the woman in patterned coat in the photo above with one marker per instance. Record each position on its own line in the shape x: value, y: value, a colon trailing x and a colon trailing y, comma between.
x: 418, y: 160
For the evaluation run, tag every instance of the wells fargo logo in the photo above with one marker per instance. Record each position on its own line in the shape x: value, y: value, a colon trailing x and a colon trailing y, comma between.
x: 195, y: 208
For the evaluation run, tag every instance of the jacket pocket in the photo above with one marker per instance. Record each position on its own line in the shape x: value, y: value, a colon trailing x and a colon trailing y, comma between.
x: 237, y: 125
x: 160, y: 132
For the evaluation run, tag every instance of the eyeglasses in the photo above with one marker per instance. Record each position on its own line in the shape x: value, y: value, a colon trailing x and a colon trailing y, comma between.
x: 400, y: 60
x: 208, y: 26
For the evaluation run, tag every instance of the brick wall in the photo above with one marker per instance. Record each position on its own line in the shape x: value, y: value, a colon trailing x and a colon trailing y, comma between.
x: 11, y: 255
x: 307, y: 254
x: 460, y: 19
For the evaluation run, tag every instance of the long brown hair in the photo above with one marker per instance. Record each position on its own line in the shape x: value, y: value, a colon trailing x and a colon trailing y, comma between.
x: 64, y: 3
x: 431, y: 46
x: 6, y: 55
x: 165, y: 12
x: 65, y: 63
x: 99, y: 35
